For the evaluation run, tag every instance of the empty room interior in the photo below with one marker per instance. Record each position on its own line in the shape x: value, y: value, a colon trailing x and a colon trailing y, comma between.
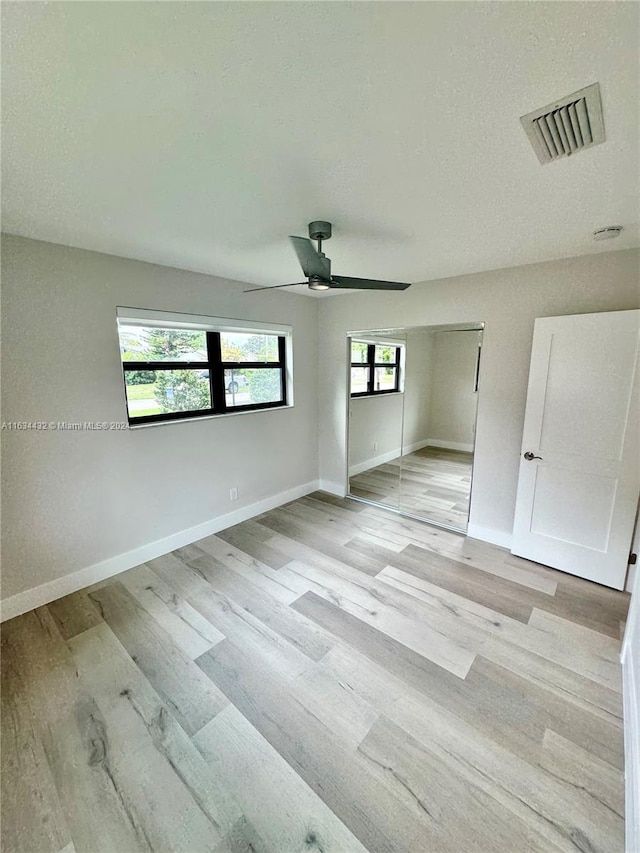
x: 320, y: 427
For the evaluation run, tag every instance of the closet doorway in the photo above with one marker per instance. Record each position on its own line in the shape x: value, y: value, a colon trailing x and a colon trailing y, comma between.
x: 412, y: 419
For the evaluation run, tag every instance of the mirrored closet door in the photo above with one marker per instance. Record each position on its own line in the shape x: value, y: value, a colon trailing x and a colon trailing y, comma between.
x: 412, y: 418
x: 375, y: 417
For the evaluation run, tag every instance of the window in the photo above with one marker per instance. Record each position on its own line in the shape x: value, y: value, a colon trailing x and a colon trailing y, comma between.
x: 172, y: 373
x: 375, y: 368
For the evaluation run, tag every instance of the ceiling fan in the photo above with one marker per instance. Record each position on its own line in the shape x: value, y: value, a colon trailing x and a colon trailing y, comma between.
x: 317, y: 266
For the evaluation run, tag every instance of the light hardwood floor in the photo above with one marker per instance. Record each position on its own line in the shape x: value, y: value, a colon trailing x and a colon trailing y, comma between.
x: 433, y: 483
x: 327, y: 677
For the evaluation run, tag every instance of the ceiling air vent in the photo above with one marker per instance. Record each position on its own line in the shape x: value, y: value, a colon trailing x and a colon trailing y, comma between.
x: 567, y: 126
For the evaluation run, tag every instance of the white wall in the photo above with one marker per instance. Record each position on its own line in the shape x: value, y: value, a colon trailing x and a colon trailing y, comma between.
x: 452, y: 413
x: 631, y: 695
x: 507, y: 301
x: 74, y: 499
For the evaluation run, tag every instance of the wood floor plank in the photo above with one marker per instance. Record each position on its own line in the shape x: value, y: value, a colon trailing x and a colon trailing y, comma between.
x: 586, y: 651
x: 490, y: 698
x: 440, y: 573
x: 569, y: 818
x: 601, y: 733
x: 468, y: 581
x: 33, y: 818
x: 565, y: 760
x: 334, y: 501
x: 309, y: 520
x: 242, y: 838
x: 70, y: 727
x: 174, y: 676
x: 231, y: 619
x: 400, y: 660
x: 487, y: 614
x: 494, y: 693
x: 302, y: 634
x: 255, y: 547
x: 268, y: 579
x: 282, y: 524
x: 163, y: 775
x: 380, y: 603
x: 464, y: 550
x: 335, y: 703
x: 182, y: 622
x: 511, y: 574
x: 403, y: 622
x: 460, y: 815
x: 343, y: 781
x: 327, y: 513
x: 298, y: 550
x: 572, y: 687
x: 586, y: 603
x: 281, y: 807
x: 74, y: 613
x: 356, y: 679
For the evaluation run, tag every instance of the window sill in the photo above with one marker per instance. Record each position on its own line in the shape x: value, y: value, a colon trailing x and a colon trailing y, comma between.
x: 376, y: 396
x: 210, y: 417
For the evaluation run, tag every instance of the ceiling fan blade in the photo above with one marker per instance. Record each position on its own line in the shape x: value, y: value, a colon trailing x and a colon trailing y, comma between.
x: 313, y: 264
x: 367, y: 283
x: 273, y: 286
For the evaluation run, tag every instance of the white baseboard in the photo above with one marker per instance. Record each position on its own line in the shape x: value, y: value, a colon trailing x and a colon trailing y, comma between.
x: 631, y: 698
x: 630, y: 658
x: 449, y: 445
x: 39, y: 595
x: 489, y: 534
x: 387, y: 457
x: 374, y: 462
x: 417, y: 445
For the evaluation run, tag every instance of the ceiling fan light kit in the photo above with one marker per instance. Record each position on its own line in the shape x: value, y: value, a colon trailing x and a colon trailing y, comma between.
x: 317, y: 266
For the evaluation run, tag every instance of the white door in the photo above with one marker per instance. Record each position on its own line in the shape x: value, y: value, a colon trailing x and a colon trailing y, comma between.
x: 578, y: 495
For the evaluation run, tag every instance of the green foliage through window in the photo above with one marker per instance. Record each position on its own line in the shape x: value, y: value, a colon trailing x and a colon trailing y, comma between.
x: 222, y: 372
x: 375, y: 368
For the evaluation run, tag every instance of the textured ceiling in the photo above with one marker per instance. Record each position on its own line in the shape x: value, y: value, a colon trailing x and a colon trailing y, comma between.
x: 199, y: 135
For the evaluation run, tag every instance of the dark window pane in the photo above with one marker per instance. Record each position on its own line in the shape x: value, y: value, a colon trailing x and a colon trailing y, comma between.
x: 251, y: 386
x: 246, y: 347
x: 358, y: 352
x: 384, y: 379
x: 359, y: 380
x: 140, y: 343
x: 171, y: 391
x: 385, y: 354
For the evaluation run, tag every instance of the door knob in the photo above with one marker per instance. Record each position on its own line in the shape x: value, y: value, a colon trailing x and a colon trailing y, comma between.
x: 529, y: 456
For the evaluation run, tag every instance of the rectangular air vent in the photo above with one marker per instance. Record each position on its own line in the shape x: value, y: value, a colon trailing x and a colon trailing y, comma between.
x: 567, y: 126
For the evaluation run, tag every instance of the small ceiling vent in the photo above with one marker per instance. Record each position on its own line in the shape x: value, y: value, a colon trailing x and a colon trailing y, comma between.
x: 566, y: 126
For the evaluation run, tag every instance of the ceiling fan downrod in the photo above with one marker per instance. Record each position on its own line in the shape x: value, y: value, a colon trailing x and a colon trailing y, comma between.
x: 319, y: 230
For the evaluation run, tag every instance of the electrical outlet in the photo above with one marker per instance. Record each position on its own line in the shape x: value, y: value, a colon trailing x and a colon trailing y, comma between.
x: 233, y: 494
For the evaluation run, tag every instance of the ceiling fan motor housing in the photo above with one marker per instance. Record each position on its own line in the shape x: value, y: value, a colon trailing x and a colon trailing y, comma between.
x: 319, y: 230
